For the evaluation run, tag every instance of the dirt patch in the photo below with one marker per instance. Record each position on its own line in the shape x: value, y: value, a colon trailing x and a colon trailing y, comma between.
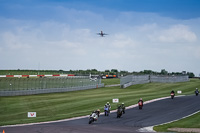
x: 188, y: 130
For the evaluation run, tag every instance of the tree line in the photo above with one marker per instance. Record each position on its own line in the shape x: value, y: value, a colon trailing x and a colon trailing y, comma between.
x: 124, y: 73
x: 87, y: 72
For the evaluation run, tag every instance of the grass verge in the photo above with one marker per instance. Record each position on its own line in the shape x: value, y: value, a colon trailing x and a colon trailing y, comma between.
x: 189, y: 122
x: 111, y: 81
x: 13, y: 110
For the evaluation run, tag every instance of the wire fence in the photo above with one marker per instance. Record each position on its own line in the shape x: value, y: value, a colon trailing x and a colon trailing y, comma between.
x: 28, y: 86
x: 141, y: 79
x: 133, y: 79
x: 169, y: 79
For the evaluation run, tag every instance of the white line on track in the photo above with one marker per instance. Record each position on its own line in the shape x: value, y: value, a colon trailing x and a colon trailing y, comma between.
x: 75, y: 118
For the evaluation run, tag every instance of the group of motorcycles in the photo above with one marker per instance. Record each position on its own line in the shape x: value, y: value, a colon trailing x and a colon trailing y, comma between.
x: 173, y: 93
x: 121, y: 108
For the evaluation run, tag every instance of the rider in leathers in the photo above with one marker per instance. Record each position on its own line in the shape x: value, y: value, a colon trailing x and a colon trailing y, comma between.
x: 140, y: 101
x: 196, y: 91
x: 108, y: 105
x: 95, y: 114
x: 123, y: 108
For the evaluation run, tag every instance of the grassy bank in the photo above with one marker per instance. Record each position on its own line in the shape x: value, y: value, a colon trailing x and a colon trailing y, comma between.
x: 57, y: 106
x: 190, y: 122
x: 111, y: 81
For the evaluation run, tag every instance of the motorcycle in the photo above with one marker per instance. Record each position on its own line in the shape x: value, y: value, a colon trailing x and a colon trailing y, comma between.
x: 172, y: 95
x: 119, y: 112
x: 106, y: 111
x: 92, y: 118
x: 140, y: 104
x: 197, y: 92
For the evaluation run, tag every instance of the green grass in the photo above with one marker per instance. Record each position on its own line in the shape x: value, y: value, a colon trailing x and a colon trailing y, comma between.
x: 111, y: 81
x: 13, y: 110
x: 190, y: 122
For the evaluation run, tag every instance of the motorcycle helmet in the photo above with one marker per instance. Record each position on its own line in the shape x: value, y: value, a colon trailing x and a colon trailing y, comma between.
x: 140, y: 98
x: 107, y: 102
x: 122, y: 103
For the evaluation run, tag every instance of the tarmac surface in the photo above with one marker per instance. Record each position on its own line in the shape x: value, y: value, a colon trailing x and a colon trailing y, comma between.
x: 132, y: 121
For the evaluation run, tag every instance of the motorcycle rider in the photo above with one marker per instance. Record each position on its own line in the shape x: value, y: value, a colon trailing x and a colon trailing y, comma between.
x: 95, y: 114
x: 108, y: 105
x: 119, y: 107
x: 123, y: 108
x: 119, y: 111
x: 196, y: 91
x: 106, y: 110
x: 172, y: 92
x: 140, y: 101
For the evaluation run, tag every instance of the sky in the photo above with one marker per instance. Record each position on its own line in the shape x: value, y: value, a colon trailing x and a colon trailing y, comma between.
x: 62, y: 34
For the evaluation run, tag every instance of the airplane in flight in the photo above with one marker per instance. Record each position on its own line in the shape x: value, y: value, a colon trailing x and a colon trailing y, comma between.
x: 102, y: 34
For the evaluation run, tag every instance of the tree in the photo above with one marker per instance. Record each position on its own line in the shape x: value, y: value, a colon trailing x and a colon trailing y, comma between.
x: 94, y: 70
x: 114, y: 70
x: 147, y: 71
x: 190, y: 74
x: 164, y: 72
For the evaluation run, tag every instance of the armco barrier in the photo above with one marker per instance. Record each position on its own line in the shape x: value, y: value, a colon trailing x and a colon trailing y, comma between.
x: 141, y: 79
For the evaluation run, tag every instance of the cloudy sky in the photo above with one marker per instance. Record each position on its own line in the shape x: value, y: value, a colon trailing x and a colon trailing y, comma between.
x: 62, y: 34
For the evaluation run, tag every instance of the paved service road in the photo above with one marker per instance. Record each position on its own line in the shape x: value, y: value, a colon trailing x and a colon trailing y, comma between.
x: 152, y: 114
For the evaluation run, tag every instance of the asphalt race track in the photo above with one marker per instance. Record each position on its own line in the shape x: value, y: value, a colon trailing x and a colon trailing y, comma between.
x: 152, y: 114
